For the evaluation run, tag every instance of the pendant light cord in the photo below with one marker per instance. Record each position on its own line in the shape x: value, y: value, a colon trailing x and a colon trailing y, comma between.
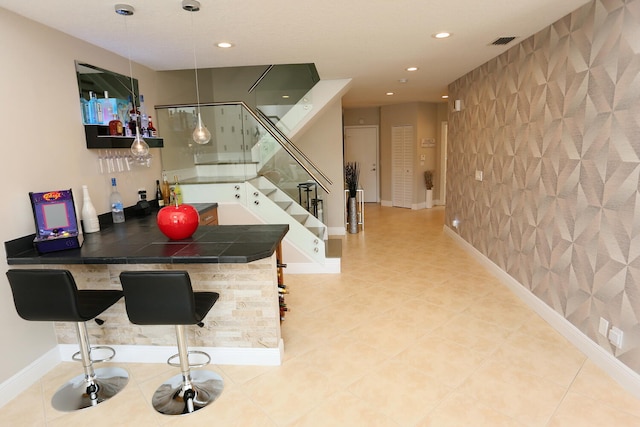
x: 195, y: 67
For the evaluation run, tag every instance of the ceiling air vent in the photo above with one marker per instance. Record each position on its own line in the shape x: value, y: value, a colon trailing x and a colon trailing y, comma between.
x: 500, y: 41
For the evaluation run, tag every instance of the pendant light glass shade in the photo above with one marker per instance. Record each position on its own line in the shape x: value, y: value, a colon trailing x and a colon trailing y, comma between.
x: 201, y: 134
x: 139, y: 148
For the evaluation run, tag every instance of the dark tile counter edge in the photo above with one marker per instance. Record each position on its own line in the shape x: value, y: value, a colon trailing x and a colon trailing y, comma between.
x: 21, y: 251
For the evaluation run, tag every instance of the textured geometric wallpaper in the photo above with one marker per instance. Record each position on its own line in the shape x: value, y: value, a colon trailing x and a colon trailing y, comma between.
x: 554, y: 124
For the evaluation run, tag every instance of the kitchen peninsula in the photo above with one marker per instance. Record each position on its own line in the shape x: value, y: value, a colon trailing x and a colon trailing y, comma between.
x: 237, y: 261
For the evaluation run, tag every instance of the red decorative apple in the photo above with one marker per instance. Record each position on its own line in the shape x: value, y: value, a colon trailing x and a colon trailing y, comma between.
x: 178, y: 222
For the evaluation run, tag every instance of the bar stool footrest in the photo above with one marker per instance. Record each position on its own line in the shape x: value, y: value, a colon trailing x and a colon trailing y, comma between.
x: 78, y: 358
x: 193, y: 366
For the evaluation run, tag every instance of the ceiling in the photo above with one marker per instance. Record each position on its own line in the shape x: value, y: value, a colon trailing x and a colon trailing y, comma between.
x: 369, y: 41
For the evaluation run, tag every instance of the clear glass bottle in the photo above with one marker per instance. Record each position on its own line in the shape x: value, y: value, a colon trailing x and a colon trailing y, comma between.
x: 177, y: 192
x: 115, y: 200
x: 90, y: 223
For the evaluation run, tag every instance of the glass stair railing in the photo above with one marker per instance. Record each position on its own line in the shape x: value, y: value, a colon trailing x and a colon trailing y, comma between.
x: 283, y: 94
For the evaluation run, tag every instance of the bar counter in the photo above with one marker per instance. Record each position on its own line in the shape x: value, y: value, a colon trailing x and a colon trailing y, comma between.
x: 237, y: 261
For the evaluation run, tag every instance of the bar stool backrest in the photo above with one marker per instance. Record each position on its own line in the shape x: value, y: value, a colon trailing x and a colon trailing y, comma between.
x: 159, y: 298
x: 46, y: 295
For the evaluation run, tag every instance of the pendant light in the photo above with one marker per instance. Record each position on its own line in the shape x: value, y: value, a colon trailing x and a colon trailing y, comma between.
x: 201, y: 134
x: 139, y: 147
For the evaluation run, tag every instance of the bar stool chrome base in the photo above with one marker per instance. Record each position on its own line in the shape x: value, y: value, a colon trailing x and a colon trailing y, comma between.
x: 83, y: 392
x: 179, y: 395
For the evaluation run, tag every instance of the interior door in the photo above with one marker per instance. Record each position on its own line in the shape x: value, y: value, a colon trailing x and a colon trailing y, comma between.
x: 402, y: 166
x: 361, y: 145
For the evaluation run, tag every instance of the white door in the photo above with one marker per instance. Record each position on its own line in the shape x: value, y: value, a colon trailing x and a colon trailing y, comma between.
x: 402, y: 166
x: 361, y: 145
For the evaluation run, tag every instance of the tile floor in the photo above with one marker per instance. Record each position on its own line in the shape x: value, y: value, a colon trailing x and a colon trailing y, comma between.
x: 413, y: 332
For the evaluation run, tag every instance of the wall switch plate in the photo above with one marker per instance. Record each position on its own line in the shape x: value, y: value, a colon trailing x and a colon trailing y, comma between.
x: 478, y: 175
x: 615, y: 336
x: 603, y: 327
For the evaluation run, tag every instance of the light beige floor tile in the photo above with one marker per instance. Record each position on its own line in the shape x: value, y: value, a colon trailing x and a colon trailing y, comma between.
x: 477, y: 335
x: 445, y: 361
x: 578, y: 410
x: 515, y: 392
x: 459, y: 410
x: 402, y: 393
x: 594, y: 383
x: 290, y: 391
x: 344, y: 359
x: 27, y: 410
x: 343, y: 410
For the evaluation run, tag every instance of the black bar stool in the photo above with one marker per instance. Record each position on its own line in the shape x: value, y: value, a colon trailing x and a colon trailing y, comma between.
x: 167, y: 298
x: 52, y: 295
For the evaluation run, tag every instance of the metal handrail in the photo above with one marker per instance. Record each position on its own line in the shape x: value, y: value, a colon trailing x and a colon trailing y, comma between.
x: 277, y: 135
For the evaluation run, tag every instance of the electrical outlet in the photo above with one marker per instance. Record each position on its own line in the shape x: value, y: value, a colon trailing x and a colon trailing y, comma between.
x: 615, y: 336
x: 478, y: 175
x: 603, y: 327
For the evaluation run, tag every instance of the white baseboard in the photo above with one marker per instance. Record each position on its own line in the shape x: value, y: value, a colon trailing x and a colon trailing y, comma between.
x: 28, y: 376
x: 625, y: 376
x: 331, y: 266
x: 160, y: 354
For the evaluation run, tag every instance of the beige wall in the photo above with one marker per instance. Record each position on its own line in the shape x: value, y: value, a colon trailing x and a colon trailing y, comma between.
x: 361, y: 116
x: 43, y: 148
x: 553, y: 124
x: 424, y: 119
x: 322, y: 143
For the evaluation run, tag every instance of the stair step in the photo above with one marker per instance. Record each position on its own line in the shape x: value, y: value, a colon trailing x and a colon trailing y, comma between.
x: 317, y: 231
x: 268, y: 191
x: 301, y: 218
x: 226, y: 162
x: 284, y: 205
x: 213, y: 180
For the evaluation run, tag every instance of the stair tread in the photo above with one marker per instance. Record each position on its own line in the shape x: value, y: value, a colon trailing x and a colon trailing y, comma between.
x: 226, y: 162
x: 213, y: 180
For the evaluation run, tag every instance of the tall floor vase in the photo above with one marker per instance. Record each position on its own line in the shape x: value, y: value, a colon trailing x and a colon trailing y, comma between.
x: 353, y: 215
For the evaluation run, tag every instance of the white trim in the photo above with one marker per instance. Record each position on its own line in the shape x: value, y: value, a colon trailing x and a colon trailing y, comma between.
x: 28, y: 376
x: 160, y: 354
x: 625, y: 376
x: 331, y: 266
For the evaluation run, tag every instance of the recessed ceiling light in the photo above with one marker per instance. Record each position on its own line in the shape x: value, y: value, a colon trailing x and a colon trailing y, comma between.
x: 412, y: 68
x: 285, y: 96
x: 403, y: 80
x: 224, y: 45
x: 445, y: 96
x: 442, y: 35
x: 389, y: 93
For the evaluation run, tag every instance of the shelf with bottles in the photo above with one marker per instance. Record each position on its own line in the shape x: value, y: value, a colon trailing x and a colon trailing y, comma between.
x: 98, y: 136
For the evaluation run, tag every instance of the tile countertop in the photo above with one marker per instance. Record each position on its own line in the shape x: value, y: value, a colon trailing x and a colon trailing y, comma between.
x: 139, y: 241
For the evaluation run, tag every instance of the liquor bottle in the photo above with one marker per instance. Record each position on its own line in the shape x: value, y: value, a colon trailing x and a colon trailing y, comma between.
x: 177, y: 192
x: 115, y: 200
x: 90, y: 223
x: 92, y: 109
x: 166, y: 191
x: 144, y: 120
x: 115, y: 126
x: 151, y: 131
x: 98, y: 110
x: 159, y: 196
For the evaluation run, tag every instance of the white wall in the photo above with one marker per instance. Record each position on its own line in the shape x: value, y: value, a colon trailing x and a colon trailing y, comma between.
x: 42, y: 147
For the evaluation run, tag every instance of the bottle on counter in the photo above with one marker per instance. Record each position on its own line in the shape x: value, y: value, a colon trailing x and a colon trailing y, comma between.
x: 159, y: 196
x: 90, y: 223
x: 166, y: 191
x: 144, y: 120
x: 115, y: 200
x: 177, y: 192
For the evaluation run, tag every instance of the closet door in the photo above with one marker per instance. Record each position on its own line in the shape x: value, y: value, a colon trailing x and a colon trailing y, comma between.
x: 402, y: 166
